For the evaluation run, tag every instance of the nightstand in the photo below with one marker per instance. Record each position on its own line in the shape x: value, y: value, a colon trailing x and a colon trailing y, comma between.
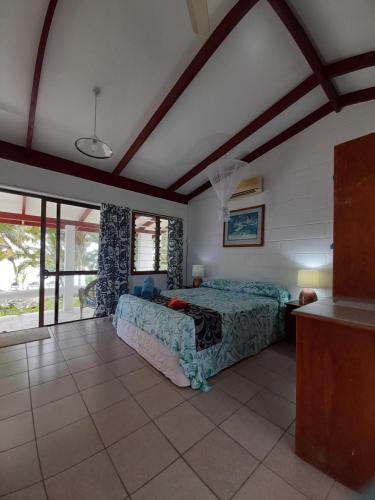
x: 290, y: 320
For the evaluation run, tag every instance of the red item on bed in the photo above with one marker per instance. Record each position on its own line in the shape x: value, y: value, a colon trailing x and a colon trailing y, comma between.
x: 176, y: 303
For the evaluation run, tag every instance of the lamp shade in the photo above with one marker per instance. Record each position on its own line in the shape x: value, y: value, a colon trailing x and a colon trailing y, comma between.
x: 198, y: 271
x: 308, y: 278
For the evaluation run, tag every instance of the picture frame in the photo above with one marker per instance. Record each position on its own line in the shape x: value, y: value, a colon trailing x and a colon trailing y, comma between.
x: 245, y: 227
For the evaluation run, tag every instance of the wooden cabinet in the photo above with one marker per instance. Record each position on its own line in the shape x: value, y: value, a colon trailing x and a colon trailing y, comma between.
x: 354, y: 219
x: 335, y: 426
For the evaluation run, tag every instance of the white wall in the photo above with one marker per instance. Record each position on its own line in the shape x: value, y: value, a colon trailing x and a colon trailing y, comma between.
x: 298, y: 194
x: 23, y: 177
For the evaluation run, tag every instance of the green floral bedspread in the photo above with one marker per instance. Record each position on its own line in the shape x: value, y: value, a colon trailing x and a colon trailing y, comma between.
x: 249, y: 324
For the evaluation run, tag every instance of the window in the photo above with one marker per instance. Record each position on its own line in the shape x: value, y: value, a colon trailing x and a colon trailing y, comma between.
x: 149, y: 243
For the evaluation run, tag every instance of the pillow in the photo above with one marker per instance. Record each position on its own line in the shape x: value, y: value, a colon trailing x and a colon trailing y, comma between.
x: 176, y: 303
x: 148, y: 288
x: 259, y: 288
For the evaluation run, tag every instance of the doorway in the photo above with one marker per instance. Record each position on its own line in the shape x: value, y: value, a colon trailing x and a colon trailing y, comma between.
x: 48, y: 260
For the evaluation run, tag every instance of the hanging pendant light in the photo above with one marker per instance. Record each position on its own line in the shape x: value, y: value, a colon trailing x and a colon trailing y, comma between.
x: 93, y: 146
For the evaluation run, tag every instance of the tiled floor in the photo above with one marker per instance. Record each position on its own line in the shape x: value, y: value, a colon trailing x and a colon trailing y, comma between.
x: 82, y: 416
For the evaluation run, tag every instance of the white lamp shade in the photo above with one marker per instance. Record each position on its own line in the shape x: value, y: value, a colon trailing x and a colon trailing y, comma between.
x: 198, y: 271
x: 308, y: 278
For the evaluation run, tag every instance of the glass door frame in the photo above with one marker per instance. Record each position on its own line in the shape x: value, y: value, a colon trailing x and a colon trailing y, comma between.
x: 43, y: 272
x: 57, y: 274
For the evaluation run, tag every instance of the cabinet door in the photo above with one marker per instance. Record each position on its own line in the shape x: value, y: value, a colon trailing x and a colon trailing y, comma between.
x: 354, y: 218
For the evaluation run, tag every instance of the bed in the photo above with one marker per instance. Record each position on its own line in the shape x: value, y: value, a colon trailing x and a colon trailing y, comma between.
x: 251, y: 317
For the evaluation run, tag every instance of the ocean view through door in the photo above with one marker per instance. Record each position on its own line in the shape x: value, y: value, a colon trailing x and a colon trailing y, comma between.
x: 48, y: 260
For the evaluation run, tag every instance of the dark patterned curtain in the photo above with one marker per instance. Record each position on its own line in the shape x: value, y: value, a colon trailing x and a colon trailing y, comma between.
x: 175, y: 253
x: 113, y: 259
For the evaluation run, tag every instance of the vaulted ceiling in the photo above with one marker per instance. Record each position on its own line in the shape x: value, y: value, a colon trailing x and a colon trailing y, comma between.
x: 172, y: 102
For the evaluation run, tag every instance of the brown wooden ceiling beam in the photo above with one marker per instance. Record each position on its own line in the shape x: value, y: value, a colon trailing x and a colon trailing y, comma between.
x: 305, y: 45
x: 348, y: 99
x: 350, y: 64
x: 34, y: 158
x: 38, y: 70
x: 281, y: 105
x: 338, y: 68
x: 230, y: 21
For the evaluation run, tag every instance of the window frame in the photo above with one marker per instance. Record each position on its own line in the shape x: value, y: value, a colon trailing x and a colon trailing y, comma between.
x: 157, y: 217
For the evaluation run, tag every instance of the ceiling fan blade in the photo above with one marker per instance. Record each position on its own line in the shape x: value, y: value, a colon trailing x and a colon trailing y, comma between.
x: 198, y: 12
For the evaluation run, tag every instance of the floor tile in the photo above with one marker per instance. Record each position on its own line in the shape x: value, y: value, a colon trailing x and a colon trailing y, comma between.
x: 178, y: 482
x: 77, y: 351
x: 74, y: 443
x: 14, y: 383
x: 42, y: 349
x: 53, y: 416
x: 254, y: 372
x: 8, y: 356
x: 50, y: 358
x: 340, y: 492
x: 47, y: 373
x: 93, y: 479
x: 252, y: 431
x: 265, y: 485
x: 283, y: 387
x: 126, y: 365
x: 71, y: 334
x: 290, y: 373
x: 14, y: 403
x: 16, y: 430
x: 7, y: 369
x: 305, y: 478
x: 216, y: 404
x: 13, y: 347
x: 52, y: 391
x: 184, y: 426
x: 79, y: 364
x: 274, y: 361
x: 158, y: 399
x: 75, y: 341
x: 103, y: 395
x: 222, y: 463
x: 238, y: 387
x: 38, y: 343
x: 186, y: 392
x: 35, y: 492
x: 140, y: 380
x: 119, y: 420
x: 274, y: 408
x: 93, y: 376
x: 108, y: 353
x: 292, y: 429
x: 19, y: 467
x: 141, y: 456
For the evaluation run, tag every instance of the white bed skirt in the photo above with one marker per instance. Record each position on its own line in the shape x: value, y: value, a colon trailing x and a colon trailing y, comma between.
x: 153, y: 351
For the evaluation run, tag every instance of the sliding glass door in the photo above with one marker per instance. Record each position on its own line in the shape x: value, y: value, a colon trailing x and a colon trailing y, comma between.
x: 69, y: 261
x: 48, y: 260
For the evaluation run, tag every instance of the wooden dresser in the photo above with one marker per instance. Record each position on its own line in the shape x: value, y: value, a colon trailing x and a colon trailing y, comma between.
x: 335, y: 427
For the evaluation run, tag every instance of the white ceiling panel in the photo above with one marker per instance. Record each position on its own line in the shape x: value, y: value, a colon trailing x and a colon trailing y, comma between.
x: 20, y: 27
x: 299, y: 110
x: 255, y: 66
x: 338, y: 28
x: 355, y: 81
x: 131, y: 49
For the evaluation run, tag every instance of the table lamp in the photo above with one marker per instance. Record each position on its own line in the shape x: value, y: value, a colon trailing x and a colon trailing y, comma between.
x: 198, y: 274
x: 307, y: 279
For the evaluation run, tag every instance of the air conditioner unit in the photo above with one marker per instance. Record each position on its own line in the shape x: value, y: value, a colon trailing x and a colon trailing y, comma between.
x: 253, y: 185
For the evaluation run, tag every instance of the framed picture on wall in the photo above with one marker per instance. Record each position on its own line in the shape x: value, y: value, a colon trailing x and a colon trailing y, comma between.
x: 245, y: 228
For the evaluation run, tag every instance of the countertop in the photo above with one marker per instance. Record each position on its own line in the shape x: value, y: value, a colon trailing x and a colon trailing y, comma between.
x: 345, y: 310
